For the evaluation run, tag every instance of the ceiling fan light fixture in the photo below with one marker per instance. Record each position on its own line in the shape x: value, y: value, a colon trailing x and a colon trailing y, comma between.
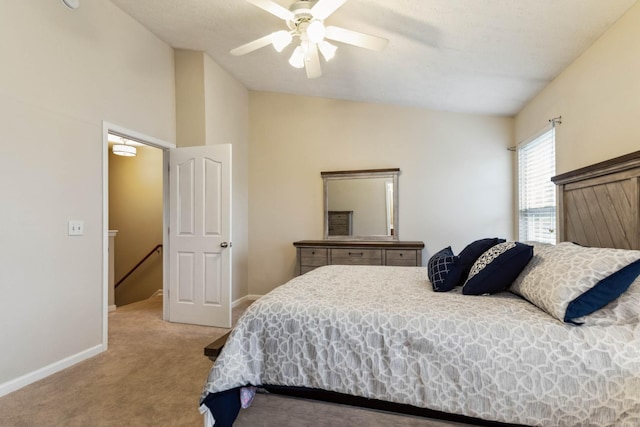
x: 316, y: 31
x: 305, y: 20
x: 281, y: 39
x: 327, y: 50
x: 297, y: 58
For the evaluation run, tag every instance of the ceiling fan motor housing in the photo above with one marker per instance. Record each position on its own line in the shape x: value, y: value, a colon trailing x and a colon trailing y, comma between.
x: 302, y: 15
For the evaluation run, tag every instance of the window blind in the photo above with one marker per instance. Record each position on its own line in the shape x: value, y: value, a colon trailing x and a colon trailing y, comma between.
x: 537, y: 194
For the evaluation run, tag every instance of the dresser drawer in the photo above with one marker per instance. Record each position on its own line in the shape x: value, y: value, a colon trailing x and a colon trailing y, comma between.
x: 402, y: 257
x: 356, y: 256
x: 316, y: 253
x: 314, y: 257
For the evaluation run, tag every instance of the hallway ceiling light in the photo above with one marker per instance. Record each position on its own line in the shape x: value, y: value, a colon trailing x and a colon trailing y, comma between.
x: 124, y: 149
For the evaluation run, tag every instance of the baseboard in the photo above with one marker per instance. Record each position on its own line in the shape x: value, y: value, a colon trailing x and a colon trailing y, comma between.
x: 157, y: 293
x: 239, y: 301
x: 32, y: 377
x: 112, y: 308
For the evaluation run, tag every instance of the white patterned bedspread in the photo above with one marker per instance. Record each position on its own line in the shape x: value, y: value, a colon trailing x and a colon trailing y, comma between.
x: 382, y: 333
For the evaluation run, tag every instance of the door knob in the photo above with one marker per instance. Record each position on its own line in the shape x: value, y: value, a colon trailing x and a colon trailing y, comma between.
x: 224, y: 244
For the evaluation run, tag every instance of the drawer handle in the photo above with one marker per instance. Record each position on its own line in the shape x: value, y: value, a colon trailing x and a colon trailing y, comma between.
x: 356, y: 253
x: 313, y: 252
x: 401, y: 253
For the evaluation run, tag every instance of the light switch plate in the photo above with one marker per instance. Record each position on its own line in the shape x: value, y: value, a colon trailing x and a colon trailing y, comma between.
x: 76, y: 228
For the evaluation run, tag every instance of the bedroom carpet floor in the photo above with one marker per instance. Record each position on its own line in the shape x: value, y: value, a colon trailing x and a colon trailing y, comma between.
x: 152, y: 375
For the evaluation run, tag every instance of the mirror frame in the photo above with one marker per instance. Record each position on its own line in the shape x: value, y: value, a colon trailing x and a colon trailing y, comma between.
x: 366, y: 173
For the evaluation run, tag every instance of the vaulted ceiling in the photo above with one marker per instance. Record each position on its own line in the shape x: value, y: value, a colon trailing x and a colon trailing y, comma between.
x: 473, y: 56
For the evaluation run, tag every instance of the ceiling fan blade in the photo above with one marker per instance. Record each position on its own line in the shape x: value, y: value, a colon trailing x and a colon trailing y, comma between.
x: 355, y: 38
x: 273, y: 8
x: 251, y: 46
x: 324, y: 8
x: 312, y: 63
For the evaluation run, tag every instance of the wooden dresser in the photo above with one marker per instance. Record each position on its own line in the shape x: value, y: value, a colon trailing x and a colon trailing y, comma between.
x: 316, y: 253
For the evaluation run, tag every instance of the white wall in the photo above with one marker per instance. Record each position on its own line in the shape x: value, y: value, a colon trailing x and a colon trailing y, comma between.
x: 63, y: 73
x: 455, y: 182
x: 598, y: 97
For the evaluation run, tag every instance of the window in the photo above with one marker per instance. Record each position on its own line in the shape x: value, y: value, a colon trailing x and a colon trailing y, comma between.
x: 537, y: 207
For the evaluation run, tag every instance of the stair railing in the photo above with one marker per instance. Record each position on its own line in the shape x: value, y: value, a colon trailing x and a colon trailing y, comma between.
x: 156, y: 249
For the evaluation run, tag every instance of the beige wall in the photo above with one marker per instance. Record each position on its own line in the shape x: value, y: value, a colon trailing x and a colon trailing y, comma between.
x: 454, y: 184
x: 63, y: 73
x: 598, y: 97
x: 227, y: 122
x: 135, y: 210
x: 213, y: 108
x: 190, y: 98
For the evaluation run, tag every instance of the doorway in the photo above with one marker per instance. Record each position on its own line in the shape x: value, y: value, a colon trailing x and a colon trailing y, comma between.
x: 148, y: 143
x: 135, y: 220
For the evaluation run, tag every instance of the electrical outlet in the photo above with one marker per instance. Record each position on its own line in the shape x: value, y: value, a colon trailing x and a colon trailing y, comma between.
x: 76, y: 228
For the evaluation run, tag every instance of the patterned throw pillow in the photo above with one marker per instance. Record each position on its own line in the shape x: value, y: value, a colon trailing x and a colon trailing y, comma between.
x: 471, y: 253
x: 497, y: 268
x: 443, y: 270
x: 570, y: 282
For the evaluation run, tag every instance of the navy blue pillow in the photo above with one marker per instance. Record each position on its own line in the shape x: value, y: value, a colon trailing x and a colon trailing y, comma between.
x: 605, y: 291
x: 497, y: 268
x: 443, y: 270
x: 471, y: 253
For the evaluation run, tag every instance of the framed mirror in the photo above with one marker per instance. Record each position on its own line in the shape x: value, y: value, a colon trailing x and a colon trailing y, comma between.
x: 361, y: 204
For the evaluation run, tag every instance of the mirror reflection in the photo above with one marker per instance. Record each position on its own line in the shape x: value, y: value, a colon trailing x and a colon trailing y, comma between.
x: 361, y: 205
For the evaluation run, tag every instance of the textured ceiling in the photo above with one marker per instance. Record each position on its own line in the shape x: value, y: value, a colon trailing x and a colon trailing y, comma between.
x: 473, y: 56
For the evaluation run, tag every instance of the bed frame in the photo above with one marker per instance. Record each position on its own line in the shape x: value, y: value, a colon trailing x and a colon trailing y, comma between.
x: 597, y: 206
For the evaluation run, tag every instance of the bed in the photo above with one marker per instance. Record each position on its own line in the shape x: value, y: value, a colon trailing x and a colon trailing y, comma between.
x: 558, y: 345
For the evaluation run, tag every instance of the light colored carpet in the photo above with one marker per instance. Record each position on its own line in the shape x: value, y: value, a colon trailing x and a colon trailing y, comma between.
x: 152, y: 375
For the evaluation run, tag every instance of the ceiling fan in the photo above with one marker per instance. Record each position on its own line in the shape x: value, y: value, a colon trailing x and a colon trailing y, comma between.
x: 305, y: 20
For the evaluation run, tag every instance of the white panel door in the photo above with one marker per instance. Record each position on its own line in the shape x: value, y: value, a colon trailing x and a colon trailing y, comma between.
x: 200, y: 235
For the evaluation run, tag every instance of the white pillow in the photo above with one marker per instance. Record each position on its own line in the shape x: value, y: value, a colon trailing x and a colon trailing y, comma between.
x: 570, y: 282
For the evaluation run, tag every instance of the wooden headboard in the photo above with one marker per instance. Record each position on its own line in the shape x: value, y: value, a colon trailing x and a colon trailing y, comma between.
x: 598, y: 205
